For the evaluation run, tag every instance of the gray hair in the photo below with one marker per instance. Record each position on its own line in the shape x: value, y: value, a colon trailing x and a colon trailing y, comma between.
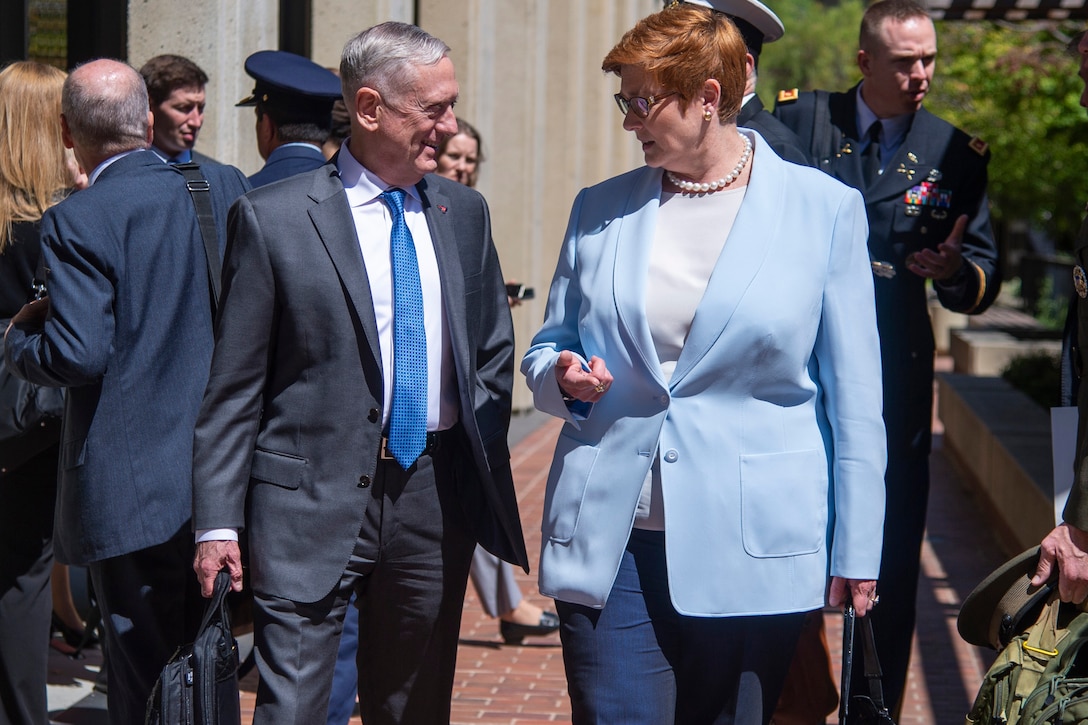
x: 106, y: 107
x: 383, y: 58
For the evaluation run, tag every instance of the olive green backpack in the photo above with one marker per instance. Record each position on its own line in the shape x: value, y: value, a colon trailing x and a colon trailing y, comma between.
x: 1040, y: 676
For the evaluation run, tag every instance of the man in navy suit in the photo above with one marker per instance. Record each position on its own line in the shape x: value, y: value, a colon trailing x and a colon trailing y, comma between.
x: 176, y: 87
x: 299, y: 438
x: 127, y: 329
x: 924, y: 183
x: 293, y: 100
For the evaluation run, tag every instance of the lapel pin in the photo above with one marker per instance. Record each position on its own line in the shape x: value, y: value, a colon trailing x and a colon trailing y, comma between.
x: 441, y: 208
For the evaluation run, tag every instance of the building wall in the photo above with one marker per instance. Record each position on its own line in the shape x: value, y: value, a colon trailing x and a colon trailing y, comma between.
x: 530, y: 79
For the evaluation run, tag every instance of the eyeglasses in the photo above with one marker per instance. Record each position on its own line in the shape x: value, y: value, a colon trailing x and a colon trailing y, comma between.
x: 641, y: 106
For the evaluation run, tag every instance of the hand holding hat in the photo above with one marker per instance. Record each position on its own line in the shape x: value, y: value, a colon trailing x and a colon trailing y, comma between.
x: 1066, y: 547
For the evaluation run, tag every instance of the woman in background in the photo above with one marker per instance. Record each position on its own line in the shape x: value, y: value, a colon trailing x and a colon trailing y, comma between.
x: 33, y: 176
x: 710, y: 342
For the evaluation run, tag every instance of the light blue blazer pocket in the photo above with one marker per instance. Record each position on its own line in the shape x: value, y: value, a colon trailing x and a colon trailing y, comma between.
x: 783, y: 503
x: 565, y: 496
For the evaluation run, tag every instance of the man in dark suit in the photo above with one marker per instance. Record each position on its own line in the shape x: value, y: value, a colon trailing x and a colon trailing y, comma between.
x: 758, y: 24
x: 355, y: 419
x: 127, y: 328
x: 176, y: 87
x: 924, y: 183
x: 293, y: 100
x: 1066, y: 547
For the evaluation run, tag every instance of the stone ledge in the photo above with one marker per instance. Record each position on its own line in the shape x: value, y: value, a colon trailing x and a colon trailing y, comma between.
x: 987, y: 352
x: 999, y: 440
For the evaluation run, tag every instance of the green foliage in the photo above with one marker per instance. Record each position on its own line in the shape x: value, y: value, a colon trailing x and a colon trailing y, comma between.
x: 1012, y: 84
x: 1037, y: 375
x: 1016, y: 87
x: 1050, y: 309
x: 818, y: 50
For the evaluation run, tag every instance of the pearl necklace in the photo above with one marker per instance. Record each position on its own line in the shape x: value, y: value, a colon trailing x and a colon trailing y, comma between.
x: 695, y: 187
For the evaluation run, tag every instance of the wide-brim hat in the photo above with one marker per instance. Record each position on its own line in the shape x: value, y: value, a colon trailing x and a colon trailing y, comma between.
x: 1004, y: 604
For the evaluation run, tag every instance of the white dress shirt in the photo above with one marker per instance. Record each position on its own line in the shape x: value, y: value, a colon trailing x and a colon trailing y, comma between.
x: 373, y: 224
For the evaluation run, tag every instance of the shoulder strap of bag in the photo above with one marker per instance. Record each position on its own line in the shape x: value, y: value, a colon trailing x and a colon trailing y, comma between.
x: 200, y: 190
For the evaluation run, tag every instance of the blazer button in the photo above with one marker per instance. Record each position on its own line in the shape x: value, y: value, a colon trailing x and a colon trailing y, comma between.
x: 671, y: 456
x: 373, y: 415
x: 364, y: 481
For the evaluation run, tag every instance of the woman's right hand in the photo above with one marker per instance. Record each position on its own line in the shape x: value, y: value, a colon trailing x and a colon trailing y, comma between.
x: 859, y: 592
x: 575, y: 381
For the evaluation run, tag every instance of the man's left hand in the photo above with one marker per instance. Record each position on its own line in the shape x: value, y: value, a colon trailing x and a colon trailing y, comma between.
x: 946, y: 260
x: 1067, y: 548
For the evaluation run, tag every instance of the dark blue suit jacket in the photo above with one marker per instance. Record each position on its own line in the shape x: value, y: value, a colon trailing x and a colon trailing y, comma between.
x: 287, y: 161
x: 938, y: 173
x: 130, y: 334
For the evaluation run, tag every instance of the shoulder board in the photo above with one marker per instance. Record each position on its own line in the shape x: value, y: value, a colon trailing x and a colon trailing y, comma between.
x: 788, y: 96
x: 978, y: 145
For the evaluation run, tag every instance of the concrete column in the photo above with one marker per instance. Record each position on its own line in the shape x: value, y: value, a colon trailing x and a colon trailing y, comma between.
x: 334, y: 21
x: 217, y: 35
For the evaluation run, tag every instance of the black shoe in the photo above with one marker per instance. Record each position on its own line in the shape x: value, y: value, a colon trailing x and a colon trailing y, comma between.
x: 513, y: 633
x: 73, y: 637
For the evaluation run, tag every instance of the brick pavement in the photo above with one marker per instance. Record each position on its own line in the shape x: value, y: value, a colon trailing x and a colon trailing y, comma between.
x: 525, y: 684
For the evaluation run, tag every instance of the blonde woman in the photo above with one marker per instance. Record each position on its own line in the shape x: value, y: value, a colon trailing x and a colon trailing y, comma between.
x: 33, y: 176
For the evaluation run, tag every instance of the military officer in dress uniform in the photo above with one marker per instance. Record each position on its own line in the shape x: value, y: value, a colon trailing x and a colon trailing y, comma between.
x: 758, y: 24
x: 293, y: 100
x: 924, y: 183
x: 1067, y: 545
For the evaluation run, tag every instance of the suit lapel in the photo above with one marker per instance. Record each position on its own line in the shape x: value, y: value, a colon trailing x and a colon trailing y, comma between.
x: 444, y: 239
x: 846, y: 159
x: 335, y: 225
x: 912, y: 163
x: 631, y: 238
x: 745, y: 252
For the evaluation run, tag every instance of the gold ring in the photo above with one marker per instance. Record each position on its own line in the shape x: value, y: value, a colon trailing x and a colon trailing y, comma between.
x: 875, y: 599
x: 599, y: 388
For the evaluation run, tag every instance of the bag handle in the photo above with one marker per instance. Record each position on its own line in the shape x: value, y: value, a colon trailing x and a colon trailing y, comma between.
x: 217, y: 610
x: 873, y: 672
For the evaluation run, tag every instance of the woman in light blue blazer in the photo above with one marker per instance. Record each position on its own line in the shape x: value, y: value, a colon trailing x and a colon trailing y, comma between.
x: 710, y: 340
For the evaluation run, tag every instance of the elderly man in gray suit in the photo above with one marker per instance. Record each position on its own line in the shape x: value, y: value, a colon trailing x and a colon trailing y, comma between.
x: 354, y: 425
x: 127, y: 328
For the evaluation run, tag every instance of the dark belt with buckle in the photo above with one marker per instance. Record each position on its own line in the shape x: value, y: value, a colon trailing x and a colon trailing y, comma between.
x: 434, y: 442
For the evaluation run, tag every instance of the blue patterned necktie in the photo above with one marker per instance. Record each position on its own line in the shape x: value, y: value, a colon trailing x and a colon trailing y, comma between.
x: 408, y: 417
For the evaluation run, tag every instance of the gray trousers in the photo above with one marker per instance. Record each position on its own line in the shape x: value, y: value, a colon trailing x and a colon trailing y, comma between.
x: 495, y: 583
x: 409, y: 569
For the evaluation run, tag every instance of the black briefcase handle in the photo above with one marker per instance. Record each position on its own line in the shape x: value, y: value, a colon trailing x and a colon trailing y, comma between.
x: 870, y: 709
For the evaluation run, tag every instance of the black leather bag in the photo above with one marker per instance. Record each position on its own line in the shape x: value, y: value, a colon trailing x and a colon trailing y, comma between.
x: 861, y: 709
x: 30, y: 416
x: 199, y: 685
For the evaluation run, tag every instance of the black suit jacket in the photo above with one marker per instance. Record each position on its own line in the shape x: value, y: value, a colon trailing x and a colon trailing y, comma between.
x: 937, y: 174
x: 778, y: 136
x: 287, y: 439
